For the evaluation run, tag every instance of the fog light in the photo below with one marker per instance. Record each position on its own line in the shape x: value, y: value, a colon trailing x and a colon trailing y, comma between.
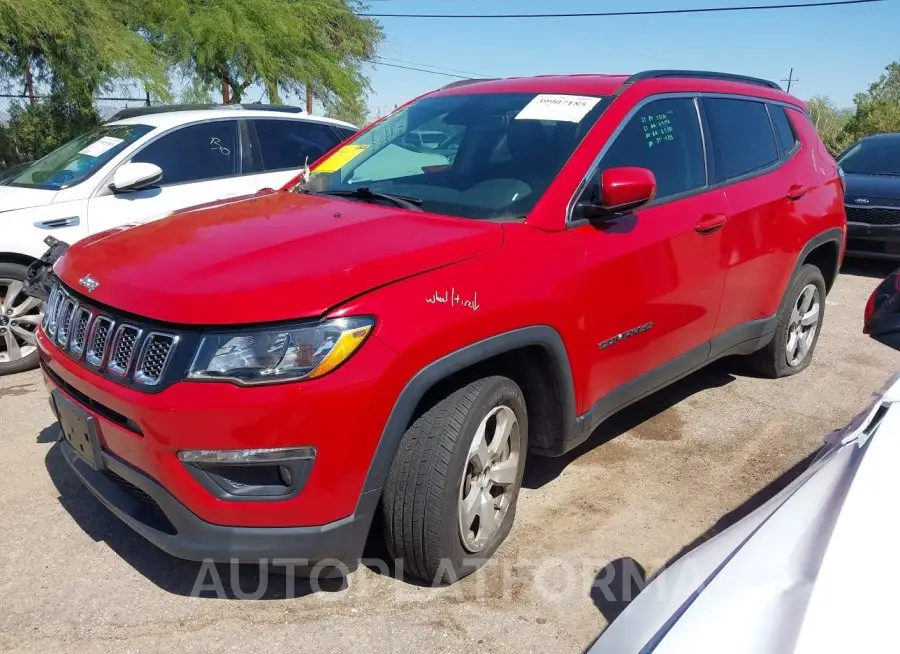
x: 285, y: 474
x: 272, y: 455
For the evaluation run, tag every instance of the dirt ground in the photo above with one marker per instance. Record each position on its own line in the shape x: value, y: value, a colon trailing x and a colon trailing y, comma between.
x: 651, y: 482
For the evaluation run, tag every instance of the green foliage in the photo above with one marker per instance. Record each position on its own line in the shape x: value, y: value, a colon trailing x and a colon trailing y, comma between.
x: 35, y: 130
x: 877, y: 110
x: 284, y: 45
x: 830, y: 121
x: 352, y: 111
x: 81, y: 45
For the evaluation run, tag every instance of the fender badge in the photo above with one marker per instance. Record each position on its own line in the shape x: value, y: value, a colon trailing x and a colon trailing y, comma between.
x: 89, y: 283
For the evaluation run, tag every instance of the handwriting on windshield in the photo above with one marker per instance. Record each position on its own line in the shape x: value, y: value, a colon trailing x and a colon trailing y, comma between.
x: 454, y: 299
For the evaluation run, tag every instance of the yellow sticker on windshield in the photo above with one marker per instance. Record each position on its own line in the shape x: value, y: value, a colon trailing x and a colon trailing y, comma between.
x: 340, y: 158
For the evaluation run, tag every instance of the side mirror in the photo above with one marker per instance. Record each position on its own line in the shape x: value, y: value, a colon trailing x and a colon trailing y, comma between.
x: 135, y: 176
x: 619, y: 190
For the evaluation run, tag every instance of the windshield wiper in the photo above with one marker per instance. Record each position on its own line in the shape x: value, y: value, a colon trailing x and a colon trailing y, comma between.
x: 889, y: 173
x: 368, y: 193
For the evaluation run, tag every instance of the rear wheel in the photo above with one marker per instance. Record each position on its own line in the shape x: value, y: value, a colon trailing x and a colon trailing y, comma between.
x: 798, y: 327
x: 451, y: 493
x: 20, y: 317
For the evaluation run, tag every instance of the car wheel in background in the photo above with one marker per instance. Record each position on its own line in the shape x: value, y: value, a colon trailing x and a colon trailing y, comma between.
x: 20, y: 317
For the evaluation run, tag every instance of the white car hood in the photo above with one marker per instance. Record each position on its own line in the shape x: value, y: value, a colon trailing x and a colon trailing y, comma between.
x: 15, y: 197
x: 806, y: 572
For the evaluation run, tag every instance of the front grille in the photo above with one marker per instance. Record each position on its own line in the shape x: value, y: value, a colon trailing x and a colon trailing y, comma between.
x: 122, y: 350
x: 874, y: 216
x: 130, y: 352
x: 99, y: 340
x: 50, y: 311
x: 80, y: 324
x: 64, y: 321
x: 155, y: 354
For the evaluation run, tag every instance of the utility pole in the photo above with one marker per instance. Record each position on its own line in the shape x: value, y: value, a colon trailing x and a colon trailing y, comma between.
x: 790, y: 79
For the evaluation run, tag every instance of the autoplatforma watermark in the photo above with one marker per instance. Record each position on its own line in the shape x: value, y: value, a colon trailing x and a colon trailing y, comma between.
x: 551, y: 580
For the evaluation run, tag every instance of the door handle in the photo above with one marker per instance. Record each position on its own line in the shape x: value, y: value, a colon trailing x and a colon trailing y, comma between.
x: 710, y: 223
x: 56, y: 223
x: 796, y: 192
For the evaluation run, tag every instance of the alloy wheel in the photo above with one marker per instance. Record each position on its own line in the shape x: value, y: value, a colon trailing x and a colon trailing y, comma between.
x: 489, y: 481
x: 803, y: 326
x: 20, y: 316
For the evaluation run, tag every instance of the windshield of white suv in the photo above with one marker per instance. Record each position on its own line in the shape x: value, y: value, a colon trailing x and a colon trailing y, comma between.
x: 878, y: 156
x: 78, y: 159
x: 479, y: 155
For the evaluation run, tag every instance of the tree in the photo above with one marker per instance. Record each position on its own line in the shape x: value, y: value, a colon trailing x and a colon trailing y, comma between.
x: 830, y: 122
x: 286, y: 46
x: 75, y: 46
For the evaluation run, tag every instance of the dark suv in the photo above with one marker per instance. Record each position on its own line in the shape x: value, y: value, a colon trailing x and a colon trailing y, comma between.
x: 872, y: 172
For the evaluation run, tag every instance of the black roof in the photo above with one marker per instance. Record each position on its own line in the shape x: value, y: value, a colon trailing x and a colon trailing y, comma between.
x: 884, y: 136
x: 131, y: 112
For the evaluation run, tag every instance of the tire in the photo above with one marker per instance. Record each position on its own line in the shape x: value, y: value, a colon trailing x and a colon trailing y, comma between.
x: 434, y: 469
x: 774, y: 360
x: 11, y: 273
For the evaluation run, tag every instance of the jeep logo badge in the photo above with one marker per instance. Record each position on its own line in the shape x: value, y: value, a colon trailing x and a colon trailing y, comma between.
x: 89, y: 282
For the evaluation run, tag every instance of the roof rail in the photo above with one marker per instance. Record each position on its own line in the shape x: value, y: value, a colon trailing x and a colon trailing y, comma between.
x: 463, y: 82
x: 131, y: 112
x: 701, y: 74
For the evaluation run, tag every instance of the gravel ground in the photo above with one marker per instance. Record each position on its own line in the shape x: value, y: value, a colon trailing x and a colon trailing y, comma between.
x: 651, y: 482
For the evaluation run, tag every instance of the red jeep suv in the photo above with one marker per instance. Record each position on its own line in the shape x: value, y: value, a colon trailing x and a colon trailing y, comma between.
x: 389, y: 337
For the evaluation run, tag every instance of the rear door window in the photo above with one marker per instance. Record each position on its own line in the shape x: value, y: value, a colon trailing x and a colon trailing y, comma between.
x: 742, y: 136
x: 287, y: 144
x: 195, y: 153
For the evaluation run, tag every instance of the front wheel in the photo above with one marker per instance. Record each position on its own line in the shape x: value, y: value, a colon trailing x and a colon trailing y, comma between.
x: 451, y: 493
x: 20, y: 317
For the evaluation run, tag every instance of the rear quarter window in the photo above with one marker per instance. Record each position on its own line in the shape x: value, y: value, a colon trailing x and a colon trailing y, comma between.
x: 784, y: 131
x: 742, y: 136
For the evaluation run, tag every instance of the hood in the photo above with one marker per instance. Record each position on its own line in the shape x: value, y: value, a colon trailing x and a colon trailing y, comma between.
x: 880, y: 190
x: 271, y: 257
x: 15, y: 197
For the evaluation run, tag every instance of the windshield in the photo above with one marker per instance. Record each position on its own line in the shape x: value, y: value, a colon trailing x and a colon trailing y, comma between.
x: 472, y: 156
x: 78, y: 159
x: 873, y: 157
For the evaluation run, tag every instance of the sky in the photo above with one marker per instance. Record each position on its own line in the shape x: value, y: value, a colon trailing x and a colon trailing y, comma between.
x: 834, y: 51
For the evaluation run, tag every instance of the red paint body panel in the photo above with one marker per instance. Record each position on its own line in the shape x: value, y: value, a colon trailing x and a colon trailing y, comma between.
x: 694, y: 267
x: 309, y: 252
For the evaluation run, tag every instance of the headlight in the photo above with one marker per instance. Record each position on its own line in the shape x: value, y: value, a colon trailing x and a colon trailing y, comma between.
x: 266, y: 356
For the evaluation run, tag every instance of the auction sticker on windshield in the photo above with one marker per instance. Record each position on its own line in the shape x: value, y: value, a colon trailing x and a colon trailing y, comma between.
x: 568, y: 108
x: 340, y: 158
x: 100, y: 146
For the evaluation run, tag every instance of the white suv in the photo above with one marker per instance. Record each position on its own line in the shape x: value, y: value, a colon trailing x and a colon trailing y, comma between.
x: 139, y: 168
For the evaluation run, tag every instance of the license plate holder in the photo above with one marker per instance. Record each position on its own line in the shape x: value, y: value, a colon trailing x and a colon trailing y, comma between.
x: 79, y: 430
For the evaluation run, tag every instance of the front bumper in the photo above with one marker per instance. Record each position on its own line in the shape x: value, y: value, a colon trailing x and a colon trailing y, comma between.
x: 341, y: 416
x: 154, y: 513
x: 874, y: 241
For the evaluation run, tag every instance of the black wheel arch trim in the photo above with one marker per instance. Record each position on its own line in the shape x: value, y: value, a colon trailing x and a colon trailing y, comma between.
x: 832, y: 235
x: 538, y: 335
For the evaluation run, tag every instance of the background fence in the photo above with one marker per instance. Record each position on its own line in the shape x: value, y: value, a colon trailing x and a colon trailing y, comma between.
x: 106, y: 106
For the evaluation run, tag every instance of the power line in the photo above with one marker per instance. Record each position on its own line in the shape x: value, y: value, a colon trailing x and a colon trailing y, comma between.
x: 440, y: 68
x: 420, y: 70
x: 648, y: 12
